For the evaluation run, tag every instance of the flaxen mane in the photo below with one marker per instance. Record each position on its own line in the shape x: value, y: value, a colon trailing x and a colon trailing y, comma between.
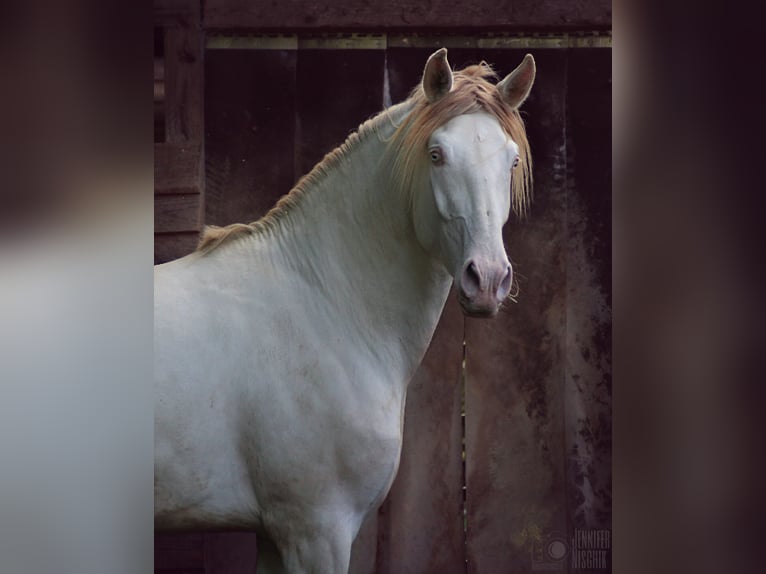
x: 407, y: 149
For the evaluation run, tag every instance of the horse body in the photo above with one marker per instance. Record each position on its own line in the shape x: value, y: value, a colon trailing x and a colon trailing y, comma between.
x: 279, y: 368
x: 282, y: 358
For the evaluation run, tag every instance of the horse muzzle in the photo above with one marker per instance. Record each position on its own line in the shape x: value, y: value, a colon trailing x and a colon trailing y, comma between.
x: 483, y: 286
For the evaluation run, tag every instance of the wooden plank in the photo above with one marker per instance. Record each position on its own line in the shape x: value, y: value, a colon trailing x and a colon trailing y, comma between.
x: 159, y: 124
x: 184, y: 114
x: 173, y: 552
x: 177, y: 13
x: 404, y: 14
x: 177, y: 168
x: 169, y: 246
x: 365, y: 547
x: 173, y: 213
x: 382, y: 41
x: 589, y: 274
x: 515, y: 472
x: 420, y: 526
x: 336, y: 91
x: 159, y: 70
x: 250, y: 139
x: 230, y: 552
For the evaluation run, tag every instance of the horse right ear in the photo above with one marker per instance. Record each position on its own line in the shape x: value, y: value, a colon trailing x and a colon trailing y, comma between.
x: 515, y: 87
x: 437, y: 76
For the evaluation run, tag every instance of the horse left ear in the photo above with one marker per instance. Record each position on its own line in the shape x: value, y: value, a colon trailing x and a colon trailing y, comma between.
x: 437, y: 76
x: 516, y: 86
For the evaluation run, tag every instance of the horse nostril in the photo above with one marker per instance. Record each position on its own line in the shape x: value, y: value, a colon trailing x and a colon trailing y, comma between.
x: 505, y: 285
x: 470, y: 282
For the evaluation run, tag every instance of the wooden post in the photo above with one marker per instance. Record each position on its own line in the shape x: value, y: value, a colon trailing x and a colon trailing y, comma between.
x: 179, y: 160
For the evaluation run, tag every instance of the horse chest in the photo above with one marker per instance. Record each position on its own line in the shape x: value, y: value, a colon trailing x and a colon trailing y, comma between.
x: 343, y: 438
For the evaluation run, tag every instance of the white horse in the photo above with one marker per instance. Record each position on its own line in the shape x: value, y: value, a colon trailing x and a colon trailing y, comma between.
x: 283, y: 348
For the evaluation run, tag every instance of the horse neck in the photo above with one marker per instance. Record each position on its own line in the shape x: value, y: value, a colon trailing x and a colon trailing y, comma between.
x: 353, y: 239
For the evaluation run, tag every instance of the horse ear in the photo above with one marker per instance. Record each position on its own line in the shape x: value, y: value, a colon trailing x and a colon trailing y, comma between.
x: 516, y: 86
x: 437, y: 76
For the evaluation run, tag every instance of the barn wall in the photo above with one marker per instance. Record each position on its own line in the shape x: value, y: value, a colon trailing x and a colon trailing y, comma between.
x: 406, y: 15
x: 179, y: 182
x: 537, y: 390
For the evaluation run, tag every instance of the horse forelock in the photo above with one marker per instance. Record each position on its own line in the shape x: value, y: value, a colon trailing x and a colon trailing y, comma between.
x: 406, y: 150
x: 471, y: 92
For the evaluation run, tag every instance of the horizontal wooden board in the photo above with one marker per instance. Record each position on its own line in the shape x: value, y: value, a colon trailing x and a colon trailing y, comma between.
x: 177, y: 213
x: 176, y: 13
x: 169, y: 246
x: 179, y: 552
x: 404, y: 14
x: 230, y: 552
x: 177, y: 168
x: 382, y: 41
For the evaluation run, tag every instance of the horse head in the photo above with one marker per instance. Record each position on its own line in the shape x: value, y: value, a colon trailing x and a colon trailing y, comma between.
x: 474, y: 167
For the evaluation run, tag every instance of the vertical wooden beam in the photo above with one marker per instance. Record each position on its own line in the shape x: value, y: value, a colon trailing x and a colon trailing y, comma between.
x: 183, y: 105
x: 184, y: 113
x: 250, y: 133
x: 588, y: 402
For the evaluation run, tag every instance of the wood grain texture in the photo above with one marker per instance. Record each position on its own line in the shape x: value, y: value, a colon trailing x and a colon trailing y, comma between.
x: 404, y: 14
x: 173, y: 213
x: 177, y: 168
x: 250, y: 133
x: 184, y: 113
x: 179, y: 161
x: 588, y: 387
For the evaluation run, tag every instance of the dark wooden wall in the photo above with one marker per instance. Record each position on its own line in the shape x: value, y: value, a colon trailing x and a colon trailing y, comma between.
x: 407, y: 15
x: 179, y: 180
x: 514, y: 451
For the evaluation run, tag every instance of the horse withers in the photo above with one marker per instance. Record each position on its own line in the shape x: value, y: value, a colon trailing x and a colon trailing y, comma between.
x: 284, y: 347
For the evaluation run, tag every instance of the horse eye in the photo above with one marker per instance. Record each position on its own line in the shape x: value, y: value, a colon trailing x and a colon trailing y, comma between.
x: 515, y: 162
x: 436, y: 156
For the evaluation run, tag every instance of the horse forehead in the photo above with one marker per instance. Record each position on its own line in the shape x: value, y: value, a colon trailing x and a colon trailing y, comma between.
x: 478, y: 131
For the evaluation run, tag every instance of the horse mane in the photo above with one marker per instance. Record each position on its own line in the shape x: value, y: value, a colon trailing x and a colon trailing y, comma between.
x: 406, y: 150
x: 214, y: 236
